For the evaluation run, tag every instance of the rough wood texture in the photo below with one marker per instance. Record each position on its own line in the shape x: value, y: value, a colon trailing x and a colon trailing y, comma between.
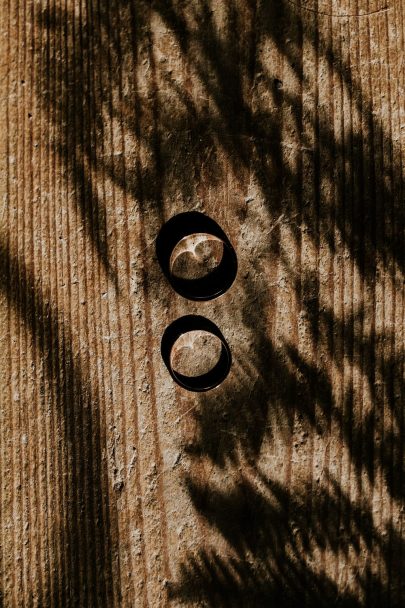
x: 285, y: 121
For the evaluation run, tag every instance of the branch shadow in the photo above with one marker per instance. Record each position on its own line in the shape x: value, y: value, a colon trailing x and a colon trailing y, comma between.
x: 177, y: 146
x: 272, y: 538
x: 84, y: 539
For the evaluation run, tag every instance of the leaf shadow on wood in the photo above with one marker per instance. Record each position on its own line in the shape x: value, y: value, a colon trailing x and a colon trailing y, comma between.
x: 174, y: 154
x: 85, y: 537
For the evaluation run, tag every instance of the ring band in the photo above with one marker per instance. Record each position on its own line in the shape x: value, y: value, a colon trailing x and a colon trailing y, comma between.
x: 206, y: 381
x: 211, y: 285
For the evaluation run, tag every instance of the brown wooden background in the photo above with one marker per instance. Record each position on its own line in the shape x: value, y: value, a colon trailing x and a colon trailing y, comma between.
x: 285, y: 121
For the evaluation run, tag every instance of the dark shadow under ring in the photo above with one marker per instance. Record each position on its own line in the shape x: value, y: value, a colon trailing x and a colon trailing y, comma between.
x: 217, y: 374
x: 213, y: 284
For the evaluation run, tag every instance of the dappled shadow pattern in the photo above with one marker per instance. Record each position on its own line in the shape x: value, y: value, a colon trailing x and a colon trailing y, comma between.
x: 105, y: 86
x: 85, y: 537
x: 273, y: 536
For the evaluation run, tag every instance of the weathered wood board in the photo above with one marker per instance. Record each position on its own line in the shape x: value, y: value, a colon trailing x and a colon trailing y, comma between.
x: 285, y: 121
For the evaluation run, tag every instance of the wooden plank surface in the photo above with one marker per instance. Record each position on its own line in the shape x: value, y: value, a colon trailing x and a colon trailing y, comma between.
x: 284, y: 121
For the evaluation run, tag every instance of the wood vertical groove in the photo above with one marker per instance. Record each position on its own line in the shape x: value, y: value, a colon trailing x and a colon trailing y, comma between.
x: 284, y: 122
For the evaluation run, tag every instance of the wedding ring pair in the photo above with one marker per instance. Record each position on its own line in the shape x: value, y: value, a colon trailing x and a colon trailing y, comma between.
x: 200, y: 264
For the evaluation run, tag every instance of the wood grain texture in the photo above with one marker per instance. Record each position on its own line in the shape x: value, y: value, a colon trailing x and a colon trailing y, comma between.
x: 285, y: 121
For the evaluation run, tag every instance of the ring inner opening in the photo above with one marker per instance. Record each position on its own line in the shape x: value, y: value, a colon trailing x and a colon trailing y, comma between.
x: 196, y: 256
x: 195, y: 353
